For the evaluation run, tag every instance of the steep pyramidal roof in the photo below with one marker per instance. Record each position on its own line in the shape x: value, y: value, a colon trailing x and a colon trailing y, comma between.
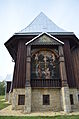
x: 42, y: 24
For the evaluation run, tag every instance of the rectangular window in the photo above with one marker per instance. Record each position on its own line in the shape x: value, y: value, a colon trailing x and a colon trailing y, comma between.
x: 46, y: 100
x: 21, y: 99
x: 71, y: 99
x: 78, y: 97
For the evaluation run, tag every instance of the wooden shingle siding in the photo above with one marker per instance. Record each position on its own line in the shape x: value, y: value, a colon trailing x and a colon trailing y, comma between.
x: 75, y: 58
x: 69, y: 65
x: 19, y: 77
x: 20, y: 66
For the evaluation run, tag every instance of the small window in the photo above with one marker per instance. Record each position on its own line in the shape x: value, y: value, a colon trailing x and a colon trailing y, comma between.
x: 21, y: 99
x: 46, y: 100
x: 71, y: 99
x: 78, y: 97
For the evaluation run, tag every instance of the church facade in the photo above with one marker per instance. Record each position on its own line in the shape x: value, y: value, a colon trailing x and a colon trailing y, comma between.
x: 46, y: 71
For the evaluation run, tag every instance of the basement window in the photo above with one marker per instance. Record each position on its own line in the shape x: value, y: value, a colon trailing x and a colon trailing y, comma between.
x: 78, y: 97
x: 21, y: 99
x: 46, y: 100
x: 71, y: 99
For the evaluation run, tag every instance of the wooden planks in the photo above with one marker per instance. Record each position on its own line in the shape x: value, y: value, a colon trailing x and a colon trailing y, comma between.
x: 19, y: 77
x: 75, y: 58
x: 69, y: 65
x: 54, y: 83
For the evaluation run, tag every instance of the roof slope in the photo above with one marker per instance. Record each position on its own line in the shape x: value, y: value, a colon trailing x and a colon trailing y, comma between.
x: 57, y: 40
x: 42, y: 24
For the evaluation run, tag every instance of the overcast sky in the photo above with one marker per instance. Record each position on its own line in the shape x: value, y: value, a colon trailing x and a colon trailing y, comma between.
x: 15, y: 15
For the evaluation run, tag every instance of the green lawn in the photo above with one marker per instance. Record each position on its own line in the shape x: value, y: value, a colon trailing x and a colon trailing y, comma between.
x: 40, y: 117
x: 3, y: 103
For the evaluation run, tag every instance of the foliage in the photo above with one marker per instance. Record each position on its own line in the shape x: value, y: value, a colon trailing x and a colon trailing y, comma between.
x: 2, y: 88
x: 3, y: 103
x: 41, y: 117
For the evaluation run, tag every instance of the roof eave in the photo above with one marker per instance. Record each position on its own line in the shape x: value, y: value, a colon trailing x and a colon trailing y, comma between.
x: 52, y: 33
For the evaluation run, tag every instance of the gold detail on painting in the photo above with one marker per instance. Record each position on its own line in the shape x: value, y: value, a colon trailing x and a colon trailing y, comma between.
x: 44, y: 63
x: 45, y: 39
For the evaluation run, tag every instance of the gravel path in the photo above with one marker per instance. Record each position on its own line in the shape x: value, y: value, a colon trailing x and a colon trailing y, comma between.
x: 9, y: 112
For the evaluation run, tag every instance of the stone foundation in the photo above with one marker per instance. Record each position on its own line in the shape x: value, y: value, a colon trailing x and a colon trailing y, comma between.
x: 15, y: 94
x: 10, y: 97
x: 27, y: 108
x: 65, y: 99
x: 59, y: 99
x: 75, y: 93
x: 37, y: 99
x: 7, y: 96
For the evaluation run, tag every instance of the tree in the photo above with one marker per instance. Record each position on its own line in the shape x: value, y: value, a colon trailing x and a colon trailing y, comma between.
x: 2, y: 88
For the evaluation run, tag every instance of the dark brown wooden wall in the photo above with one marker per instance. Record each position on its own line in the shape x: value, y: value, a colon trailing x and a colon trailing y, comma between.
x: 75, y: 58
x: 69, y: 65
x: 20, y: 66
x: 19, y: 77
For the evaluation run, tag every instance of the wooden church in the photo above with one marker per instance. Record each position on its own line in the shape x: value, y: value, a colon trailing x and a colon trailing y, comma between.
x: 46, y: 71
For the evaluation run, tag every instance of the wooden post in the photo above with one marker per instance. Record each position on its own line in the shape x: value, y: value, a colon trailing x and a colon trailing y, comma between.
x: 27, y: 108
x: 65, y: 89
x: 28, y: 66
x: 62, y: 67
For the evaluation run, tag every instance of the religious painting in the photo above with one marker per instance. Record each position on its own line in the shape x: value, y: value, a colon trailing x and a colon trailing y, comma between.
x: 45, y: 65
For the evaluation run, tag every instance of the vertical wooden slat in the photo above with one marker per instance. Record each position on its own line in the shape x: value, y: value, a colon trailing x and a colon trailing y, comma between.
x: 20, y: 66
x: 75, y: 58
x: 69, y: 66
x: 46, y: 83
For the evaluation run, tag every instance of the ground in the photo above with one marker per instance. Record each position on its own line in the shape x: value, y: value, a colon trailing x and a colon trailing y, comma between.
x: 3, y: 103
x: 41, y: 117
x: 6, y: 112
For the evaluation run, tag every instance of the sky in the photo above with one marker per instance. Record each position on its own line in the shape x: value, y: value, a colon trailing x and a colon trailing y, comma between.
x: 15, y: 15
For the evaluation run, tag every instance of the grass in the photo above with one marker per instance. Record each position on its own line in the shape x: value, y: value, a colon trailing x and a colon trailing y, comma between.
x: 41, y: 117
x: 3, y: 103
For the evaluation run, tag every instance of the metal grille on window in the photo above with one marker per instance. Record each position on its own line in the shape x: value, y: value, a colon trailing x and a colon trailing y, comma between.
x: 46, y: 100
x: 21, y: 99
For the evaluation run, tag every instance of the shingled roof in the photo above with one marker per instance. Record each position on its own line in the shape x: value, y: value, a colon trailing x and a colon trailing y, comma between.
x: 42, y: 24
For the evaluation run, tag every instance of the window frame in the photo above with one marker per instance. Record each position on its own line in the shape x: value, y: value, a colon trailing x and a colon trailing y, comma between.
x: 71, y: 99
x: 46, y: 99
x: 78, y: 97
x: 21, y: 99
